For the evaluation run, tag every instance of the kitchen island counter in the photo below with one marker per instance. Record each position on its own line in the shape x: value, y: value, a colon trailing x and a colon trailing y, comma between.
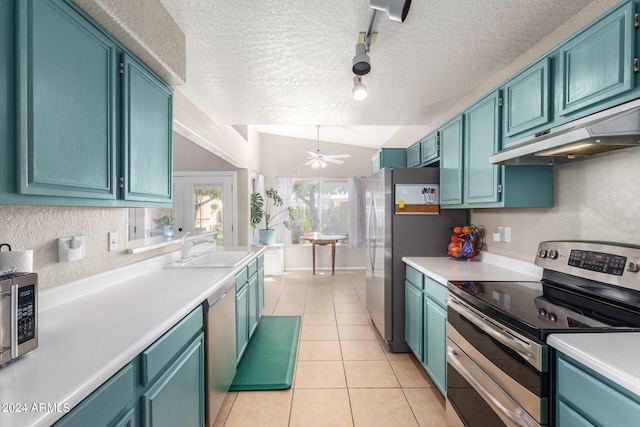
x: 91, y: 328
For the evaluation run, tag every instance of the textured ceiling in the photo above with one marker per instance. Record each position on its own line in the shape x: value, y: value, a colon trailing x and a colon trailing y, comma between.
x: 289, y: 62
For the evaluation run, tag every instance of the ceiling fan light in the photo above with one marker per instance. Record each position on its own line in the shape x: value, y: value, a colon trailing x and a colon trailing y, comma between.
x: 315, y: 164
x: 323, y: 164
x: 361, y: 63
x: 359, y: 91
x: 397, y: 10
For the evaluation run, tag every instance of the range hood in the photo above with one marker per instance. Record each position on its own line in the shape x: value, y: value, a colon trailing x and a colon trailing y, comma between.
x: 611, y: 129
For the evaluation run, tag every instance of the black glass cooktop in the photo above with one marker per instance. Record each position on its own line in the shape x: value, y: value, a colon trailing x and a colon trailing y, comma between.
x: 539, y: 309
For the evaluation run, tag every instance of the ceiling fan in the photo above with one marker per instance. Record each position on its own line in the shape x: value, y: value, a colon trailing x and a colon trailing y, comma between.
x: 318, y: 159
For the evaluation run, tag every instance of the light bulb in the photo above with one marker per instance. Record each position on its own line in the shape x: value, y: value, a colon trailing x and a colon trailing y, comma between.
x: 359, y: 90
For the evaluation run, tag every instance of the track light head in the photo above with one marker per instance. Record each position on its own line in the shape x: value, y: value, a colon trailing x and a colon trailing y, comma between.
x: 361, y: 64
x: 397, y: 10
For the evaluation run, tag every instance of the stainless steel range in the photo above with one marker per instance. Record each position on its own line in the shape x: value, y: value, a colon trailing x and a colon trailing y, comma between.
x: 498, y: 363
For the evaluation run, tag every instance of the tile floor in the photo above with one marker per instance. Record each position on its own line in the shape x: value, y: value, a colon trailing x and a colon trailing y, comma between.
x: 344, y: 375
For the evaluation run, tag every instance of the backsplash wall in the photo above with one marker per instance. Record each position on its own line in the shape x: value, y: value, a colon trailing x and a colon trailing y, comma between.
x: 595, y: 199
x: 39, y: 227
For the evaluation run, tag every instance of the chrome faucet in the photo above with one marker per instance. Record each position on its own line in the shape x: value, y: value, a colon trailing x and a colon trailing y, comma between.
x: 186, y: 247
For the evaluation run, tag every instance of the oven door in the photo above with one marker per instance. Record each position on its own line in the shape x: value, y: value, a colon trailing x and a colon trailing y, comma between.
x: 495, y: 376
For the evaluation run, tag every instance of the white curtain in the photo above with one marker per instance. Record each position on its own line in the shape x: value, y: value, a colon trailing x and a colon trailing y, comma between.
x: 357, y: 220
x: 284, y: 185
x: 258, y: 188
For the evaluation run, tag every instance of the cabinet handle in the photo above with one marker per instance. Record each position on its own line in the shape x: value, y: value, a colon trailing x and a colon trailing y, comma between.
x: 121, y: 182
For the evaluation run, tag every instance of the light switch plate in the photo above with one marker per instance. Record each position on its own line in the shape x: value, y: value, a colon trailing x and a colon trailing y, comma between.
x: 113, y: 241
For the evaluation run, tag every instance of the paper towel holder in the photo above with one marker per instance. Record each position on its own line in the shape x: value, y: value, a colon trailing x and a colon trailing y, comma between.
x: 71, y: 248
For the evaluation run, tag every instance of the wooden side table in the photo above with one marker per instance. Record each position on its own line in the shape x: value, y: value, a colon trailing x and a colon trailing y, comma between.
x: 323, y: 241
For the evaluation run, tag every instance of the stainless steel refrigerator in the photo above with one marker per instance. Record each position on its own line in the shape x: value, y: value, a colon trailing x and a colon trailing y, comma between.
x: 391, y: 236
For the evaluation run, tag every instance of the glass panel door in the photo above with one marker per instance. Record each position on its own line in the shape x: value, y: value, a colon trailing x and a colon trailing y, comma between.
x: 204, y: 204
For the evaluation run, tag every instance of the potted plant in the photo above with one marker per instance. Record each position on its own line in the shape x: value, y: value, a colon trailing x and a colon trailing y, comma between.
x: 271, y: 210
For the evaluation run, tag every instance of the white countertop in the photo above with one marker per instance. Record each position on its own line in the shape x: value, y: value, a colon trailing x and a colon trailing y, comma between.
x: 492, y: 267
x: 91, y: 328
x: 613, y: 355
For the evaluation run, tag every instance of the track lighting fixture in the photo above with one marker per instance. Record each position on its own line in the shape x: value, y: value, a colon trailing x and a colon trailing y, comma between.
x: 361, y: 63
x: 397, y: 10
x: 359, y: 90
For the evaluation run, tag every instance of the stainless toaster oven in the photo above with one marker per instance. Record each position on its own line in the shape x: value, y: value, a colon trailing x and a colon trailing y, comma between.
x: 18, y: 315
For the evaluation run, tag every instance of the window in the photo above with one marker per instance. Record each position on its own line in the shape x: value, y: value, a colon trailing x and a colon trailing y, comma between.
x: 321, y: 206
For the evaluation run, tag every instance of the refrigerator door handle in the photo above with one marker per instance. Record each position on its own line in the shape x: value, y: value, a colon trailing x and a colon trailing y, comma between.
x: 370, y: 221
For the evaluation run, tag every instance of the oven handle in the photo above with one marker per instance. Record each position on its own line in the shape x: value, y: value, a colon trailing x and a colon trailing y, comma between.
x: 518, y: 416
x: 511, y: 342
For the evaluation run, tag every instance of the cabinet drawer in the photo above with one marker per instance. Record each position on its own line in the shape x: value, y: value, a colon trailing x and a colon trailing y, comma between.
x: 414, y: 277
x: 252, y: 267
x: 260, y: 261
x: 242, y: 278
x: 436, y: 291
x: 160, y: 354
x: 104, y: 404
x: 594, y: 397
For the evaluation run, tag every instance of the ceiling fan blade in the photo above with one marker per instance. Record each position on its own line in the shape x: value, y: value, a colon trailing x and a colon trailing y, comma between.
x: 313, y: 154
x: 338, y: 156
x: 309, y: 162
x: 330, y: 160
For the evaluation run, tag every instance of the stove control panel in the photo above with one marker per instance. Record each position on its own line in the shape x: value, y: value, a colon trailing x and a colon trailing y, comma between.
x: 606, y: 262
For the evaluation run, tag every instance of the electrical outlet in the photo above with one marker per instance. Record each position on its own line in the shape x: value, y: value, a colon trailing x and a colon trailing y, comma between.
x: 113, y: 240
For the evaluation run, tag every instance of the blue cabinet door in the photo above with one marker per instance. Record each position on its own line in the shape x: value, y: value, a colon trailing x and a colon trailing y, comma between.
x: 527, y: 98
x: 104, y: 405
x: 435, y: 343
x: 253, y: 304
x: 430, y: 148
x: 177, y: 398
x: 451, y: 166
x: 414, y: 155
x: 413, y: 319
x: 597, y: 64
x: 582, y: 394
x: 260, y: 291
x: 242, y: 321
x: 147, y: 134
x: 481, y: 140
x: 66, y: 103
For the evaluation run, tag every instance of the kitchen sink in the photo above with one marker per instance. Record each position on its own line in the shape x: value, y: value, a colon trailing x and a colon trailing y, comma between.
x: 213, y: 259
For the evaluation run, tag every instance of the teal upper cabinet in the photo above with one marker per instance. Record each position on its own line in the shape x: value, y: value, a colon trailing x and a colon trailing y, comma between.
x: 481, y: 140
x: 430, y: 148
x: 389, y: 157
x: 413, y: 155
x: 66, y: 103
x: 468, y: 180
x: 451, y: 167
x: 424, y: 152
x: 148, y: 154
x: 527, y: 99
x: 598, y: 63
x: 93, y: 125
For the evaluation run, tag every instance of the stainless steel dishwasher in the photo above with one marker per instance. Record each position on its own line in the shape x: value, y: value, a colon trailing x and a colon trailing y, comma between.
x: 220, y: 341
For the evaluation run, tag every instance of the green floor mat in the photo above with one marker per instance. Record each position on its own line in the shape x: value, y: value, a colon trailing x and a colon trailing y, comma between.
x: 270, y: 356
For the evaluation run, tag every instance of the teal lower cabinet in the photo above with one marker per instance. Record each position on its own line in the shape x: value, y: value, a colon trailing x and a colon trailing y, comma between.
x: 414, y: 319
x: 173, y: 400
x: 425, y: 324
x: 435, y: 338
x: 163, y: 386
x: 249, y: 302
x: 586, y: 398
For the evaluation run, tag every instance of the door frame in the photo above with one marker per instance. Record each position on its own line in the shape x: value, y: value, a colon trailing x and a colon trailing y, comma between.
x: 183, y: 200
